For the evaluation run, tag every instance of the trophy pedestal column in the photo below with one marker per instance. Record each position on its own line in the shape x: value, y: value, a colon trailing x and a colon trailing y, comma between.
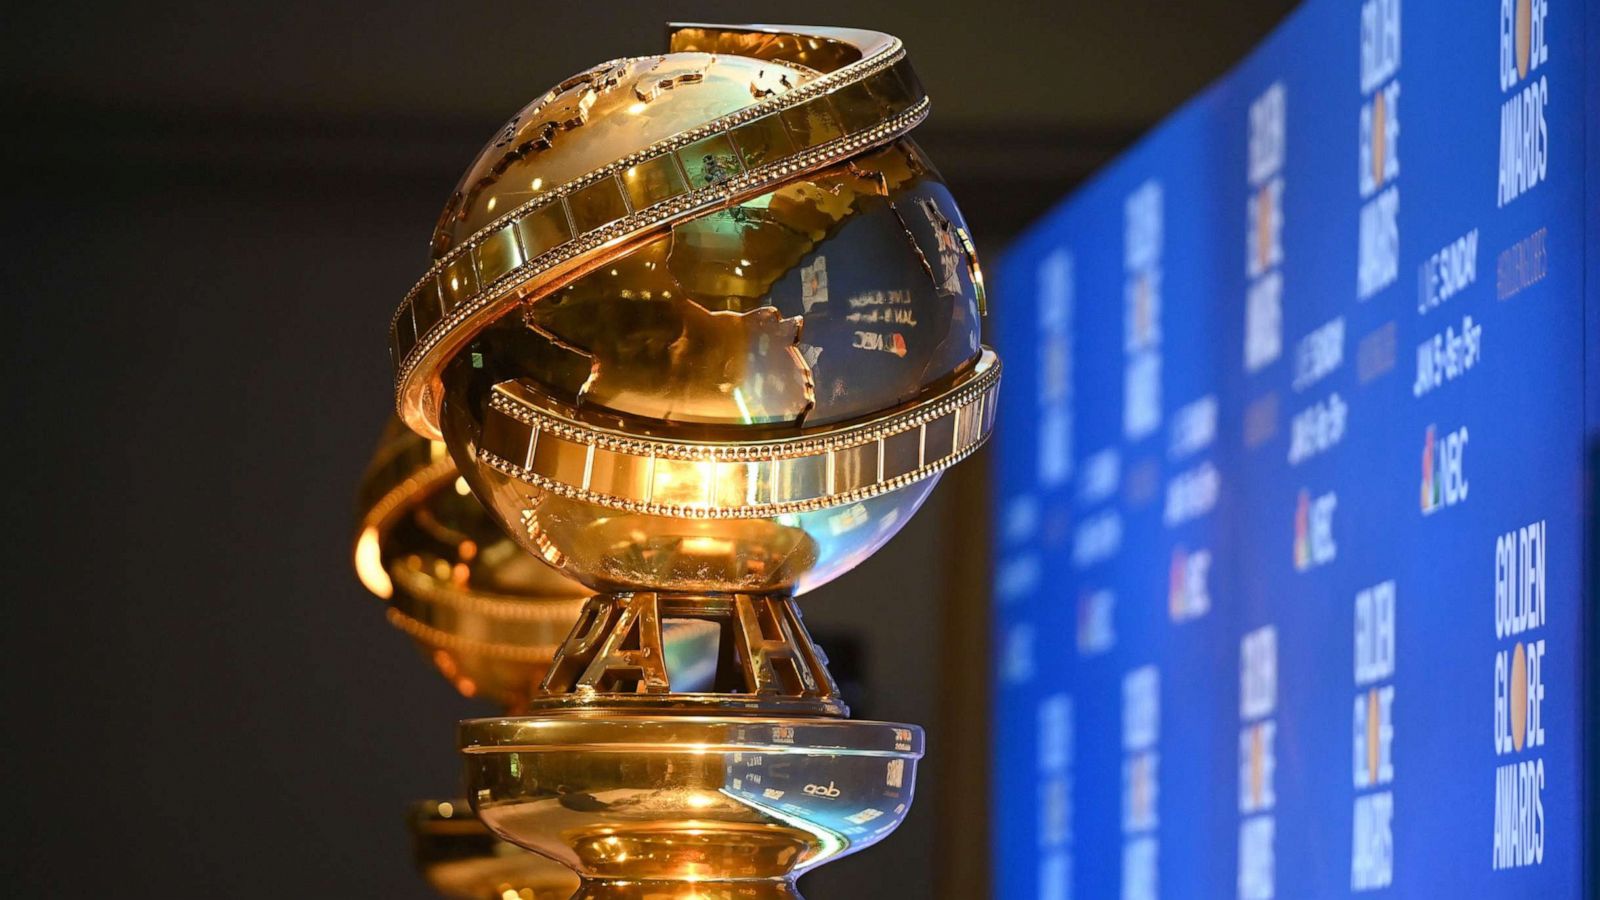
x: 615, y: 658
x: 650, y: 794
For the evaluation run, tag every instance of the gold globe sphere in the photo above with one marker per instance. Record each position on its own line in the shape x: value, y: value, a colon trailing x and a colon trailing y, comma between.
x: 705, y: 321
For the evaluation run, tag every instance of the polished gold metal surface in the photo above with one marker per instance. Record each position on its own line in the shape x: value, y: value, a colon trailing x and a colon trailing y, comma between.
x: 700, y: 331
x: 486, y: 614
x: 688, y: 805
x: 751, y: 397
x: 462, y: 859
x: 764, y: 660
x: 619, y: 512
x: 615, y: 154
x: 814, y: 376
x: 490, y: 618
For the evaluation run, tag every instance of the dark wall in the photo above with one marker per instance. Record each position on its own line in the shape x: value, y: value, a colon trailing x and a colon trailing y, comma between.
x: 211, y: 211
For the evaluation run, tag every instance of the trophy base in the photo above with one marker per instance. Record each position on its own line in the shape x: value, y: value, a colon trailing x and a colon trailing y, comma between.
x: 779, y: 889
x: 663, y: 806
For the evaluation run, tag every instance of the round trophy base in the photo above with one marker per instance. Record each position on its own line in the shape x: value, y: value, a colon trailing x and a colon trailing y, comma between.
x: 666, y: 806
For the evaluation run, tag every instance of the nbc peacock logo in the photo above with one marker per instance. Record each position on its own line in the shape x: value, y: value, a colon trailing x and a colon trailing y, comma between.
x: 1430, y: 490
x: 1444, y: 482
x: 1188, y: 592
x: 1302, y: 531
x: 1313, y: 530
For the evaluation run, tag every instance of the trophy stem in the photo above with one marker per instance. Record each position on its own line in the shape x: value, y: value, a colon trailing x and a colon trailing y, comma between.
x: 652, y: 792
x: 774, y: 889
x: 766, y: 663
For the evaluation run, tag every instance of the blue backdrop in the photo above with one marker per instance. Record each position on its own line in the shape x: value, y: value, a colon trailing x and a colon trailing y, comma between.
x: 1291, y: 531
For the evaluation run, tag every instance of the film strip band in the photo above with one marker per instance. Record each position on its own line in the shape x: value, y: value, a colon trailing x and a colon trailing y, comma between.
x: 522, y: 439
x: 864, y: 104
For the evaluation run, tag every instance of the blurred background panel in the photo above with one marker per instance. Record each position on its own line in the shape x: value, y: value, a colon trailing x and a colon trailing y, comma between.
x: 212, y: 209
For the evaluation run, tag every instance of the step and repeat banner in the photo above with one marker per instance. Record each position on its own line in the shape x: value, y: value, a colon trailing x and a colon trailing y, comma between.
x: 1290, y: 529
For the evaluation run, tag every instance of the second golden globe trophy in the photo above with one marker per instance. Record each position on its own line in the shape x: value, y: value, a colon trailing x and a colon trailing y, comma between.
x: 700, y: 331
x: 489, y: 617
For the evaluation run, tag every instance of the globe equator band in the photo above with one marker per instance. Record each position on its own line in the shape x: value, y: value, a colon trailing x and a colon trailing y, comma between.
x: 476, y: 281
x: 739, y: 480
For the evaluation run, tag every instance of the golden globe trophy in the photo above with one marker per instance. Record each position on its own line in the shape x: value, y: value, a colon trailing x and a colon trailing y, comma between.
x: 700, y: 331
x: 489, y: 617
x: 486, y: 614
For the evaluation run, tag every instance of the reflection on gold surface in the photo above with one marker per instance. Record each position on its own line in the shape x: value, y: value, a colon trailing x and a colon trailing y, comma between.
x: 784, y: 514
x: 489, y: 618
x: 831, y: 304
x: 460, y: 858
x: 595, y: 118
x: 742, y: 804
x: 369, y: 564
x: 487, y: 615
x: 700, y: 332
x: 715, y: 323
